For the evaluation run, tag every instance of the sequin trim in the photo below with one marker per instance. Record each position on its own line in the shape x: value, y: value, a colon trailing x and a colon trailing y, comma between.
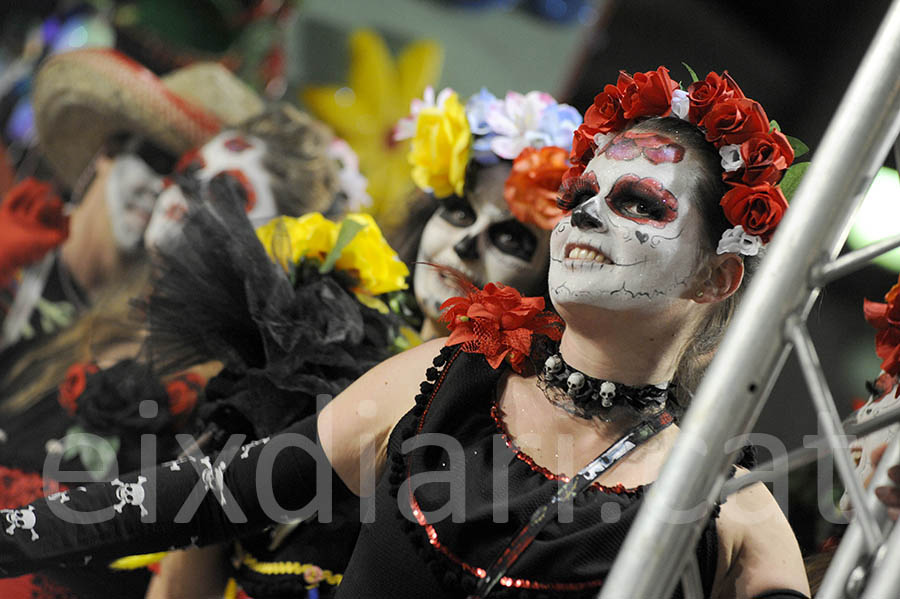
x: 432, y: 535
x: 618, y: 489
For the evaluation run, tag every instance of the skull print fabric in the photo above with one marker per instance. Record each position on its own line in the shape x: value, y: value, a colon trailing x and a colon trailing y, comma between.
x: 186, y: 502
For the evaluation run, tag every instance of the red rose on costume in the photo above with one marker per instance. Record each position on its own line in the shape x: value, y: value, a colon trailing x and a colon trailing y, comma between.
x: 886, y: 318
x: 758, y: 208
x: 649, y: 94
x: 182, y: 392
x: 73, y: 385
x: 499, y: 323
x: 734, y: 120
x: 530, y: 190
x: 31, y: 223
x: 704, y: 94
x: 766, y: 156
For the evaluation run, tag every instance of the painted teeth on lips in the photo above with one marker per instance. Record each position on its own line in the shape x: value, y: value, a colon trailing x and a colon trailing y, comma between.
x: 586, y: 253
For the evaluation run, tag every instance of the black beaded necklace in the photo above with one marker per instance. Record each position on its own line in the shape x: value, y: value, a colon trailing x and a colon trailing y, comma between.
x: 589, y: 397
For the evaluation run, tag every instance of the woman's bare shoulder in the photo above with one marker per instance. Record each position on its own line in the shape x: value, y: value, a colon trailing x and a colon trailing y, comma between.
x: 759, y: 548
x: 367, y: 410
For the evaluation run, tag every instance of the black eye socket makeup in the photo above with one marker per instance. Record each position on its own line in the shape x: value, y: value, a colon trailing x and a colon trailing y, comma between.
x: 577, y: 190
x: 457, y: 211
x: 513, y: 238
x: 644, y: 201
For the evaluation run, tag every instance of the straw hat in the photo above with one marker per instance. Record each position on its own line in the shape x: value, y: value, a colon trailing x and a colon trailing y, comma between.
x: 83, y: 97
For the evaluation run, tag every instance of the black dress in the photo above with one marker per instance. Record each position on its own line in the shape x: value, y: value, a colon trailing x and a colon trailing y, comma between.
x: 403, y: 550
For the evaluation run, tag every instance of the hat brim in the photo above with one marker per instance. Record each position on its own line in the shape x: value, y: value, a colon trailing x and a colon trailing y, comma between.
x: 82, y: 98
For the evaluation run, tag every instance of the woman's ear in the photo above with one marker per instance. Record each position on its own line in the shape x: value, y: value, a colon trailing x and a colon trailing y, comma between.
x: 724, y: 274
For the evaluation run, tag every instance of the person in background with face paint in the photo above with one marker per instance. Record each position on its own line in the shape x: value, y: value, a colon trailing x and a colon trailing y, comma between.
x: 668, y: 205
x: 496, y: 205
x: 110, y: 130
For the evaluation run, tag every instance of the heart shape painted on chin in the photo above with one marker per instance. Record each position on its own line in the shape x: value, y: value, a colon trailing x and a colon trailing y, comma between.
x: 642, y: 237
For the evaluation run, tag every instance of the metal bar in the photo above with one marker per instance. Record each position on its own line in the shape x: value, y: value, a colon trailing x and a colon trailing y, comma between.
x: 678, y: 503
x: 884, y: 581
x: 853, y: 261
x: 691, y: 584
x: 831, y: 425
x: 851, y: 551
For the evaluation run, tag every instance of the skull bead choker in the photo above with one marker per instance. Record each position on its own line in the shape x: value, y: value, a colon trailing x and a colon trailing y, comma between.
x: 589, y: 397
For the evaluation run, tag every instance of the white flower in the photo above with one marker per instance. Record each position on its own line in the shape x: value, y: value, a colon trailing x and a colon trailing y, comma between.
x: 406, y: 127
x: 351, y: 181
x: 731, y: 157
x: 516, y: 121
x: 735, y: 241
x: 680, y: 104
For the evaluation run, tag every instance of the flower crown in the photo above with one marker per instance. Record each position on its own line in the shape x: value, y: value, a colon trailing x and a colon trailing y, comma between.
x: 533, y: 130
x: 755, y: 153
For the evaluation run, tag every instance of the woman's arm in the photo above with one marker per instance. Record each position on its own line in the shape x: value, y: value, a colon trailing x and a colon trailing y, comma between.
x: 354, y: 428
x: 759, y: 548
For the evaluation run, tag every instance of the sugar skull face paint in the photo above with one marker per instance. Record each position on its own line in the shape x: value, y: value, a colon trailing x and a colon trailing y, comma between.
x: 478, y: 236
x: 238, y: 155
x: 131, y: 191
x: 634, y: 236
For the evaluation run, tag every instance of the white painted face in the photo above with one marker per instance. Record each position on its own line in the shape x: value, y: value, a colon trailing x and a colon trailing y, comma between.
x: 131, y: 191
x: 239, y: 155
x: 632, y: 241
x: 478, y: 236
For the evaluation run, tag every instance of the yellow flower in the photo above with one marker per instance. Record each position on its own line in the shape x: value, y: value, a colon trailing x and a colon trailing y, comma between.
x: 440, y: 148
x: 368, y: 256
x: 311, y: 235
x: 378, y: 94
x: 378, y: 267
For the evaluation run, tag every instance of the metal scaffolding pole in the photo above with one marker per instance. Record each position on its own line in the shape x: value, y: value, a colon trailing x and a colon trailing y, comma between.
x: 732, y: 394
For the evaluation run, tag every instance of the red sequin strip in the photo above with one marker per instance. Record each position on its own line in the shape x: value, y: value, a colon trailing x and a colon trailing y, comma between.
x: 507, y: 438
x: 434, y: 541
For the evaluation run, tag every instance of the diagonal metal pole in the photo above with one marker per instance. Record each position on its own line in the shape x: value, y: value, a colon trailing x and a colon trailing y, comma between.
x: 732, y: 394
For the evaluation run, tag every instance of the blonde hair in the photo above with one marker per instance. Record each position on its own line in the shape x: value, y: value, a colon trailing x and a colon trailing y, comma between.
x: 109, y: 321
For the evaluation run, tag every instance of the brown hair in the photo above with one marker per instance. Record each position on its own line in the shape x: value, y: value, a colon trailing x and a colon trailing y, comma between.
x: 711, y: 188
x: 304, y: 177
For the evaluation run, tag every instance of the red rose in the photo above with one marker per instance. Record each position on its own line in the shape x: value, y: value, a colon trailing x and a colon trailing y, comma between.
x: 704, y: 94
x: 886, y: 318
x: 734, y: 120
x: 574, y: 171
x: 530, y: 190
x: 605, y: 114
x: 766, y: 156
x: 31, y: 223
x: 73, y: 385
x: 758, y: 208
x: 499, y: 323
x: 649, y: 94
x: 182, y: 392
x: 583, y: 145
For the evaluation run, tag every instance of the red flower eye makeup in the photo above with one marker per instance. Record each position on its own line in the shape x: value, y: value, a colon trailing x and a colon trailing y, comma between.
x: 577, y: 190
x: 642, y: 200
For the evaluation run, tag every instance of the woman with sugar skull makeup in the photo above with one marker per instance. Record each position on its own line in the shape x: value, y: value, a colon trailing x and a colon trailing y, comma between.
x: 475, y: 463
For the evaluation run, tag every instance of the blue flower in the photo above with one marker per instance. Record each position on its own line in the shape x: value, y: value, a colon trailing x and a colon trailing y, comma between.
x: 559, y: 122
x: 477, y: 109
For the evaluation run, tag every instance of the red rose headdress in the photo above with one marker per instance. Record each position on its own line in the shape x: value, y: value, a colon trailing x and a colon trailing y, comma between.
x: 756, y: 155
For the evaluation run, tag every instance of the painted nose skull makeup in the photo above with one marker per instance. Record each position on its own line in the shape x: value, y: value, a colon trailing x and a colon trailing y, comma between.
x: 478, y: 236
x: 238, y: 155
x: 131, y: 191
x: 631, y: 240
